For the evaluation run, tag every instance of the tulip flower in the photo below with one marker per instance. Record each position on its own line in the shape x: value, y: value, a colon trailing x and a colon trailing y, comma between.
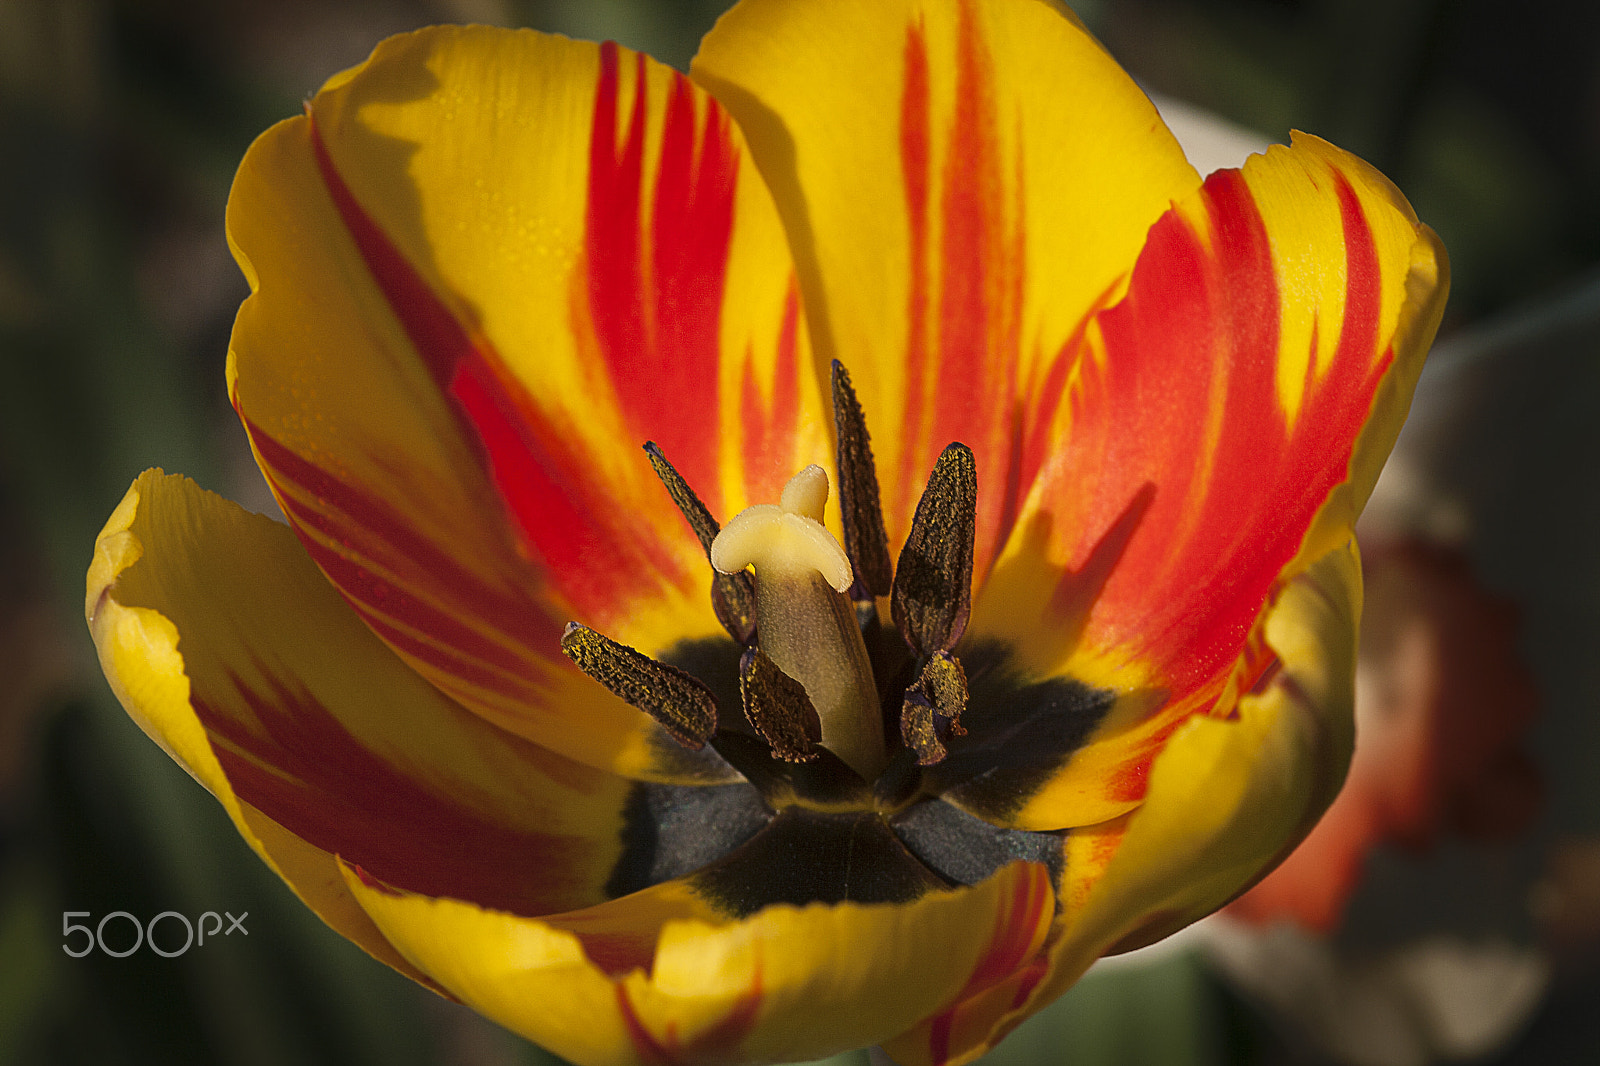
x: 807, y: 554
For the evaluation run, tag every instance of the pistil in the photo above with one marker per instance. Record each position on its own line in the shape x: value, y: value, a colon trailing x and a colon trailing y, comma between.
x: 804, y: 624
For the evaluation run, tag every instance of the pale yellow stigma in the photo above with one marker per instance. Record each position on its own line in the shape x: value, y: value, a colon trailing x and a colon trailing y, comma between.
x: 806, y: 494
x: 787, y: 536
x: 803, y: 622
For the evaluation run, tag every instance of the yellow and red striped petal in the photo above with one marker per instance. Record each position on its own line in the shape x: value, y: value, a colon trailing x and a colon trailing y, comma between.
x: 965, y: 1026
x: 1225, y: 423
x: 964, y: 184
x: 1227, y: 799
x: 486, y: 267
x: 784, y: 984
x: 232, y: 652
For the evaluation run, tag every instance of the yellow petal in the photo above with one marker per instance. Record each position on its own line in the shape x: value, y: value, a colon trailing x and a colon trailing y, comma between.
x: 963, y: 184
x: 788, y: 983
x: 486, y: 267
x: 229, y: 649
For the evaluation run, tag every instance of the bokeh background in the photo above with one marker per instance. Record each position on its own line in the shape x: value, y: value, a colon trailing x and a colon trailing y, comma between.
x: 120, y: 124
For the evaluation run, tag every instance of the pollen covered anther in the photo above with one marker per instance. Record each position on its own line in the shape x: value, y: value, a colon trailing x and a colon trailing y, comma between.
x: 932, y: 594
x: 682, y: 705
x: 918, y: 729
x: 733, y: 596
x: 778, y: 708
x: 932, y: 708
x: 859, y: 506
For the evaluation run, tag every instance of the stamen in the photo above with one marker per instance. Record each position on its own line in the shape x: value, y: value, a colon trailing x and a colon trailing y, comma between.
x: 694, y: 512
x: 778, y: 707
x: 917, y: 729
x: 682, y: 705
x: 864, y: 538
x: 933, y: 707
x: 733, y: 596
x: 932, y: 594
x: 802, y: 622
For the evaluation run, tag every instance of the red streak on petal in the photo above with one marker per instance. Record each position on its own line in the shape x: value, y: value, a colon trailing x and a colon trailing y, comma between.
x: 457, y: 666
x: 592, y: 551
x: 620, y: 953
x: 981, y: 278
x: 439, y: 338
x: 769, y: 429
x: 589, y: 550
x: 1033, y: 431
x: 374, y: 597
x: 939, y: 1037
x: 656, y: 285
x: 1186, y: 400
x: 716, y: 1044
x: 1015, y: 930
x: 498, y: 637
x: 915, y: 156
x: 1363, y: 283
x: 302, y: 768
x: 369, y: 527
x: 1011, y: 948
x: 1046, y: 397
x: 614, y: 234
x: 1029, y: 976
x: 1191, y: 373
x: 1132, y: 778
x: 966, y: 295
x: 373, y: 883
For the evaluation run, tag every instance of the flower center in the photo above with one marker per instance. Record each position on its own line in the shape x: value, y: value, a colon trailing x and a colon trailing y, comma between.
x: 803, y: 622
x: 874, y: 767
x: 821, y: 680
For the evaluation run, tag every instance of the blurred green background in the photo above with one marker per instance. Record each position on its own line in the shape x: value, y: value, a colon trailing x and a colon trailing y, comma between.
x: 120, y: 124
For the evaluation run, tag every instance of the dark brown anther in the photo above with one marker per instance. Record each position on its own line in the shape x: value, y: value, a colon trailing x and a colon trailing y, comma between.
x: 778, y: 707
x: 933, y: 707
x: 733, y: 596
x: 933, y: 581
x: 694, y: 512
x: 733, y: 599
x: 865, y: 541
x: 682, y: 705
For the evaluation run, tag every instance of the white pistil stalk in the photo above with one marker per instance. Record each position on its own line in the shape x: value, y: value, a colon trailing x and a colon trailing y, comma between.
x: 803, y: 621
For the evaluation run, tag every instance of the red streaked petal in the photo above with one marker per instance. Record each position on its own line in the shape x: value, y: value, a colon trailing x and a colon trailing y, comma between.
x: 463, y: 327
x: 964, y: 184
x: 1228, y: 798
x: 1227, y: 418
x: 287, y: 755
x: 482, y: 635
x: 1007, y: 972
x: 567, y: 521
x: 786, y: 983
x: 228, y: 646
